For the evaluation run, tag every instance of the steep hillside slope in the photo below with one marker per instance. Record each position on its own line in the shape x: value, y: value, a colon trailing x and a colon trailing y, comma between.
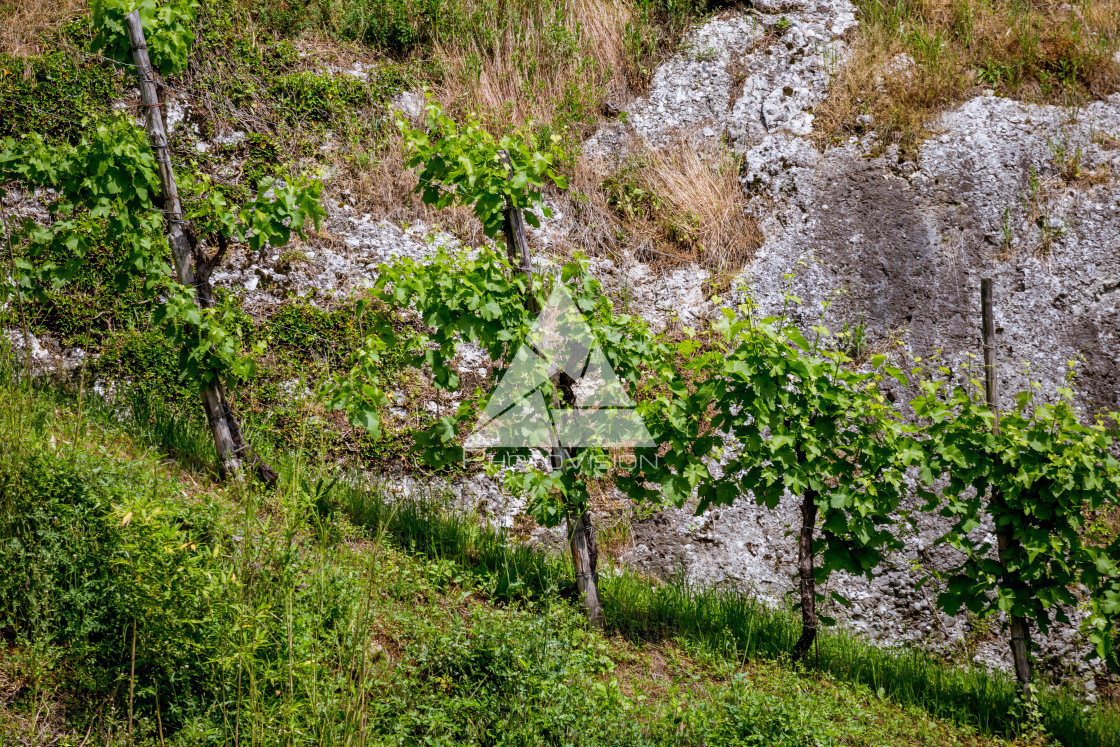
x: 876, y: 159
x: 144, y: 604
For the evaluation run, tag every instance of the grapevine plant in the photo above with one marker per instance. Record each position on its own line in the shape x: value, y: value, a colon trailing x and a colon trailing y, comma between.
x: 457, y: 298
x: 466, y: 165
x: 491, y: 302
x: 105, y: 189
x: 787, y: 417
x: 1038, y: 480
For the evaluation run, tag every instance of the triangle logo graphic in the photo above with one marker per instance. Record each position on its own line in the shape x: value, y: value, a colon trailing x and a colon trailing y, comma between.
x: 517, y: 415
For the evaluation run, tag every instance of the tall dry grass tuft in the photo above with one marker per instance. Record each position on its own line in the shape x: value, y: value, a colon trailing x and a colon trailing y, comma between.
x: 675, y: 204
x: 24, y: 23
x: 911, y: 59
x: 545, y: 64
x: 384, y: 187
x: 705, y: 205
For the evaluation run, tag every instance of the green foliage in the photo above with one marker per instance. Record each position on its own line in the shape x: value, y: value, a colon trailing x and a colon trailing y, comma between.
x: 307, y: 95
x: 52, y: 93
x: 106, y: 188
x: 1037, y: 480
x: 145, y: 357
x: 726, y: 621
x: 280, y: 209
x: 458, y: 299
x: 481, y: 300
x: 251, y: 619
x: 100, y: 551
x: 801, y: 421
x: 105, y: 185
x: 627, y: 193
x: 379, y: 638
x: 167, y: 28
x: 178, y: 430
x: 98, y: 303
x: 400, y: 24
x: 290, y: 18
x: 208, y: 339
x: 656, y: 26
x: 312, y: 334
x: 461, y: 166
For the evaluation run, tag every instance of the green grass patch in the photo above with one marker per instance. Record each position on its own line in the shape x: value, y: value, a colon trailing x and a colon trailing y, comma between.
x: 738, y: 625
x: 52, y: 94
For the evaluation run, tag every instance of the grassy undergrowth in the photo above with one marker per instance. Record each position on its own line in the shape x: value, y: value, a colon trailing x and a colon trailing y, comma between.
x: 325, y: 613
x: 912, y: 59
x: 141, y: 604
x: 736, y: 625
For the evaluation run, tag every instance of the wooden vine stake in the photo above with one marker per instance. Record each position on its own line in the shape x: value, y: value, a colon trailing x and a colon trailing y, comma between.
x: 228, y: 439
x: 1020, y: 635
x: 19, y: 298
x: 581, y: 532
x: 517, y: 244
x: 810, y: 621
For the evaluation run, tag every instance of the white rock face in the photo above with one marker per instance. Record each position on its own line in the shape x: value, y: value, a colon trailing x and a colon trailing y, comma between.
x: 410, y: 104
x: 334, y: 269
x: 743, y: 76
x: 907, y: 242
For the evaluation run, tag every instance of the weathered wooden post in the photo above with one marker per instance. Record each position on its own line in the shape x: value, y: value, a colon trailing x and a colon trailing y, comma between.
x: 581, y: 532
x: 1020, y: 635
x: 513, y: 225
x: 228, y: 440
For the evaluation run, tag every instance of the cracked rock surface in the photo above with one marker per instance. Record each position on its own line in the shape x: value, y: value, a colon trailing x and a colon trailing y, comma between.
x: 330, y: 269
x: 1026, y: 194
x: 743, y: 76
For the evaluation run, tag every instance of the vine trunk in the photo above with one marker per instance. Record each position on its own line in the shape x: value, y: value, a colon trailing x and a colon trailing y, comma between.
x: 805, y: 571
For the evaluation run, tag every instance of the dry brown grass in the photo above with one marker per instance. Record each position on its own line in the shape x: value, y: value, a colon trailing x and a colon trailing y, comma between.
x: 910, y: 60
x: 385, y: 188
x: 677, y: 204
x: 545, y: 62
x: 546, y: 68
x: 23, y: 23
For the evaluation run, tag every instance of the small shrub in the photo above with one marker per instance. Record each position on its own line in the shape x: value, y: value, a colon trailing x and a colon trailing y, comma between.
x: 319, y: 97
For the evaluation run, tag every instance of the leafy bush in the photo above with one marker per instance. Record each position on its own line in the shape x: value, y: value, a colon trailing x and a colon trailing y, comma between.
x: 168, y: 30
x: 93, y: 561
x: 307, y: 95
x: 52, y: 94
x: 463, y: 165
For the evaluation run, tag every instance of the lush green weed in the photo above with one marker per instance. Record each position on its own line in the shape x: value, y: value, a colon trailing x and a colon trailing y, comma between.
x: 51, y: 94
